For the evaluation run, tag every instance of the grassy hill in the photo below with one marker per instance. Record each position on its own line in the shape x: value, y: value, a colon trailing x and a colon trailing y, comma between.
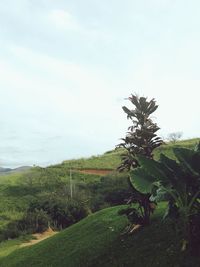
x: 18, y: 190
x: 98, y: 241
x: 111, y: 159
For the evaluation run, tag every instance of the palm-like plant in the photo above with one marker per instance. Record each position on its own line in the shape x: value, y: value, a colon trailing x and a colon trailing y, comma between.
x: 141, y: 139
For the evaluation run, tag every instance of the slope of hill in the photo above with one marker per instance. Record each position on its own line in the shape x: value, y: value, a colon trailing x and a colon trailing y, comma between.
x: 98, y: 241
x: 19, y: 189
x: 111, y: 159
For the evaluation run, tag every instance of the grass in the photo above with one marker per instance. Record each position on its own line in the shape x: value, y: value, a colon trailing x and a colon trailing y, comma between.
x: 111, y: 159
x: 98, y: 241
x: 7, y: 247
x: 168, y: 148
x: 108, y: 161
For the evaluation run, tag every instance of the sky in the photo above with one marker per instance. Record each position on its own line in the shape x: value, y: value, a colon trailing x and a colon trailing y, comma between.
x: 67, y: 67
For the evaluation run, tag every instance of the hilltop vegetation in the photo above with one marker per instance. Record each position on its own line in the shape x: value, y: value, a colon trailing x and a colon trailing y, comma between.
x: 111, y: 159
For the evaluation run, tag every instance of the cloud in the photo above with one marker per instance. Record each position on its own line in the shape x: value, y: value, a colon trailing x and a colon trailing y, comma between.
x: 71, y: 79
x: 53, y: 91
x: 63, y: 20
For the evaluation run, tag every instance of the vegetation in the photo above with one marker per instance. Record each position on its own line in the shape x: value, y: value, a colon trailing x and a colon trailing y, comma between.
x: 112, y: 159
x: 41, y: 197
x: 174, y: 137
x: 179, y: 182
x: 98, y: 240
x: 19, y: 190
x: 33, y: 200
x: 109, y: 160
x: 141, y: 139
x: 175, y: 180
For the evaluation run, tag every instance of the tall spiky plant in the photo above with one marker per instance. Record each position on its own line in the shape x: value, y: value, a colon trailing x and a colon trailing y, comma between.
x: 141, y: 139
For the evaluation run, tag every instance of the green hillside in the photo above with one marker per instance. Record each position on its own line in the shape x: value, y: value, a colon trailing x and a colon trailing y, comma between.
x: 18, y: 190
x: 98, y: 241
x: 111, y: 159
x: 49, y: 189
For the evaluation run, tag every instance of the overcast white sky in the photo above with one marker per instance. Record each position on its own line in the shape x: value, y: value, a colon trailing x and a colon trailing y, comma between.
x: 66, y: 67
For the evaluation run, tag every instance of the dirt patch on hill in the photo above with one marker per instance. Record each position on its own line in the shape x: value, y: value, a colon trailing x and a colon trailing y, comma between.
x: 39, y: 237
x: 95, y: 171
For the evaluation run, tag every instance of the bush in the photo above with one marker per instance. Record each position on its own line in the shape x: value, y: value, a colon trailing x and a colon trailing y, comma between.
x: 61, y: 212
x: 32, y: 222
x: 111, y: 190
x: 11, y: 231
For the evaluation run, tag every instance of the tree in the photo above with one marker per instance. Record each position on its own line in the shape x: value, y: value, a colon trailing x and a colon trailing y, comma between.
x: 174, y: 137
x: 141, y: 139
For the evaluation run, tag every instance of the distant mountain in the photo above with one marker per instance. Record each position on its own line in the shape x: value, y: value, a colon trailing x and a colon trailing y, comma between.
x: 21, y: 169
x: 5, y: 169
x: 9, y: 170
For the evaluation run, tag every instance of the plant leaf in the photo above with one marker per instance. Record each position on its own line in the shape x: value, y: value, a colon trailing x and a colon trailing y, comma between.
x: 141, y: 180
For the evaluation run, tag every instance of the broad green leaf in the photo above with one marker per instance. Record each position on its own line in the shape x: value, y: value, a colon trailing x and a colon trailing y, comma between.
x: 141, y: 180
x: 190, y: 159
x: 174, y: 172
x: 153, y: 168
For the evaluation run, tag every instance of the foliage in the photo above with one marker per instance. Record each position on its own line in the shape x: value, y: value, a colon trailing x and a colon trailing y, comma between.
x: 61, y: 212
x: 18, y: 190
x: 141, y: 139
x: 179, y: 180
x: 98, y: 241
x: 109, y: 160
x: 90, y: 193
x: 31, y: 222
x: 110, y: 190
x: 34, y: 222
x: 174, y: 137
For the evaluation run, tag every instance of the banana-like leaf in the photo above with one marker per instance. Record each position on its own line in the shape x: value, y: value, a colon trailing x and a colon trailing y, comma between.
x: 170, y: 163
x: 160, y: 195
x: 190, y: 159
x: 197, y: 147
x: 174, y: 171
x: 141, y: 180
x: 154, y: 168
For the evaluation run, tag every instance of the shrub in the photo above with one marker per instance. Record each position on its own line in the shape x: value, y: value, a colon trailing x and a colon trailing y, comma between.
x: 62, y: 212
x: 32, y: 222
